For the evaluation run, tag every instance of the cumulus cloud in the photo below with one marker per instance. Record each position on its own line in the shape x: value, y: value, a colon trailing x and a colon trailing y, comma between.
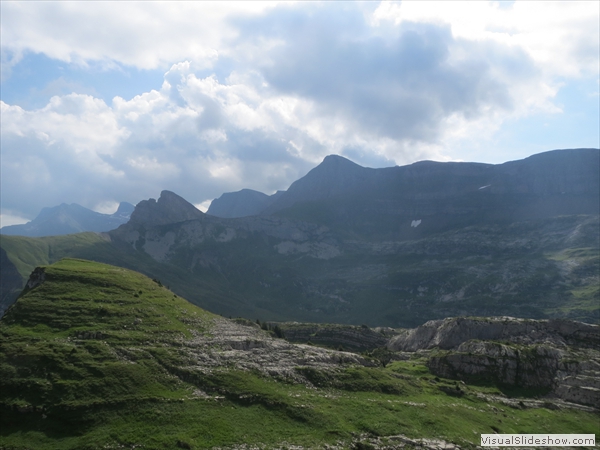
x: 130, y: 33
x: 562, y: 37
x: 254, y: 95
x: 400, y: 91
x: 188, y: 137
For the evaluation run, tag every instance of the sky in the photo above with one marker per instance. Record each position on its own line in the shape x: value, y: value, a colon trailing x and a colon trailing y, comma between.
x: 103, y: 102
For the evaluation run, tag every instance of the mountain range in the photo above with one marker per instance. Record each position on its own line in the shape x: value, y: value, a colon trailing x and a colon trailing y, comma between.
x: 68, y: 219
x: 384, y: 203
x: 382, y: 247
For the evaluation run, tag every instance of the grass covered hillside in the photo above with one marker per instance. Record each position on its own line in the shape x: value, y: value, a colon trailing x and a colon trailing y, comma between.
x: 95, y: 356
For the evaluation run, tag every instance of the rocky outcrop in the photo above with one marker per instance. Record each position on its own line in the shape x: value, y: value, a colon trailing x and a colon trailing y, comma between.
x: 170, y: 208
x: 569, y: 374
x: 11, y: 282
x: 452, y: 332
x: 529, y: 367
x: 162, y: 228
x: 250, y: 348
x: 559, y: 358
x: 37, y: 277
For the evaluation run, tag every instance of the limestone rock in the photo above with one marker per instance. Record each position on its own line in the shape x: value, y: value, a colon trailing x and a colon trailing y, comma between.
x: 452, y: 332
x: 170, y: 208
x: 560, y: 358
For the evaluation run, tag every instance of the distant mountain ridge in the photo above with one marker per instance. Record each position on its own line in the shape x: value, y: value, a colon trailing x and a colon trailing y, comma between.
x: 68, y: 219
x: 340, y: 193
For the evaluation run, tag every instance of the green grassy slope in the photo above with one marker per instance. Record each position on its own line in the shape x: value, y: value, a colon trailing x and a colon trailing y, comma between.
x: 95, y: 357
x: 209, y: 291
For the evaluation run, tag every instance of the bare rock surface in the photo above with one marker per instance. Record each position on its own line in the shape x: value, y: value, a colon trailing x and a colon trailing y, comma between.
x: 232, y: 345
x: 170, y: 208
x: 452, y: 332
x: 559, y: 358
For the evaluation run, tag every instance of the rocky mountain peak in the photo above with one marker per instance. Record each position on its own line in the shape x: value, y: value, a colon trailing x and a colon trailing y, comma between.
x: 170, y: 208
x: 337, y: 161
x: 124, y: 210
x: 336, y: 175
x: 246, y: 202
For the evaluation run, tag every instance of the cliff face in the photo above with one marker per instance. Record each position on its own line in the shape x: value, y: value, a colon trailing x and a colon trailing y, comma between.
x: 170, y: 208
x: 559, y: 358
x: 281, y: 268
x: 449, y: 334
x: 410, y: 244
x: 11, y: 282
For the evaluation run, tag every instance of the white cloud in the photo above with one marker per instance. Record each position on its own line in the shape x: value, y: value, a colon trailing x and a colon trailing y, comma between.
x: 255, y: 94
x: 146, y: 35
x: 7, y: 219
x: 203, y: 206
x: 561, y: 37
x: 106, y: 207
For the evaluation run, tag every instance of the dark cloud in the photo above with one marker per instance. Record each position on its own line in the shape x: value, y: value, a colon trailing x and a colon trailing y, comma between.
x: 399, y: 85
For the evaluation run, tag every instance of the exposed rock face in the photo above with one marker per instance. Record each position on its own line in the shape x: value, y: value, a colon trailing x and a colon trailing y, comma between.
x: 149, y: 231
x: 170, y: 208
x: 11, y: 282
x: 325, y: 257
x: 559, y: 357
x: 249, y: 348
x: 37, y: 277
x: 570, y: 374
x: 451, y: 333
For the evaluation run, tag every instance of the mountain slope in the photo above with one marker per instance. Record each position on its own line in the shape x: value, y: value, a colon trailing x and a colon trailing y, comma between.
x: 170, y: 208
x: 68, y: 219
x: 246, y: 202
x: 286, y: 270
x: 386, y: 203
x: 95, y: 356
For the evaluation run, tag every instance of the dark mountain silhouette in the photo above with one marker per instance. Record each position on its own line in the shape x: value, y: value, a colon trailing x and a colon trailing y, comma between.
x: 412, y: 201
x: 68, y: 219
x: 246, y: 202
x: 170, y: 208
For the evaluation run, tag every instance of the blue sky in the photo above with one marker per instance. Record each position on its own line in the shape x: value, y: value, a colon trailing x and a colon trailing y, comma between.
x: 115, y: 101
